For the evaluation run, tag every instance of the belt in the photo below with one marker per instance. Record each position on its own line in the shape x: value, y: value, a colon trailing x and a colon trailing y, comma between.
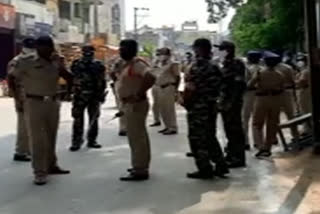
x: 42, y: 98
x: 127, y: 99
x: 269, y: 93
x: 167, y: 85
x: 251, y: 89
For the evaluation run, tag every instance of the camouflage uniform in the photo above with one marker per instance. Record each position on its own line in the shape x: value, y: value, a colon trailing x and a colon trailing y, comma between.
x: 231, y: 101
x: 90, y: 84
x: 206, y: 79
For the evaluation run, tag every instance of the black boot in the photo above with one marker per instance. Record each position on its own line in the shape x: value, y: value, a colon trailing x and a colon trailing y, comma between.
x: 94, y: 145
x: 75, y: 148
x: 221, y: 170
x: 201, y: 175
x: 21, y: 158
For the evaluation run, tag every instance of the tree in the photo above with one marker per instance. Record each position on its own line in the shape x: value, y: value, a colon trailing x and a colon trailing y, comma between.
x: 218, y: 9
x: 268, y: 24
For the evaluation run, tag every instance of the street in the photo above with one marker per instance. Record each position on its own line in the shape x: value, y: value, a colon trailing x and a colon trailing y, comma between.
x: 287, y: 184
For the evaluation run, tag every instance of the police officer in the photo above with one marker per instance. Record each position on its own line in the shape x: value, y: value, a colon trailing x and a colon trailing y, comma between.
x: 230, y: 103
x: 156, y: 71
x: 168, y: 82
x: 270, y: 84
x: 253, y: 66
x: 134, y: 82
x: 303, y: 85
x: 89, y: 93
x: 40, y: 83
x: 115, y: 73
x: 202, y: 84
x: 289, y: 104
x: 22, y: 143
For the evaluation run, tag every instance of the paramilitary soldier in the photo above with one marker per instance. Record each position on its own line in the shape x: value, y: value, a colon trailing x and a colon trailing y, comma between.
x: 231, y: 100
x: 202, y: 84
x: 89, y: 93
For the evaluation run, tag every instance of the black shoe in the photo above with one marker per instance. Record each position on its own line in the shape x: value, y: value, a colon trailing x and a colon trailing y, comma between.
x: 21, y: 158
x: 201, y: 175
x: 75, y: 148
x: 94, y: 146
x: 122, y: 133
x: 163, y: 130
x: 221, y: 170
x: 263, y: 154
x: 58, y: 171
x: 155, y: 124
x: 169, y: 132
x: 247, y: 147
x: 135, y: 177
x: 190, y: 155
x: 236, y: 164
x: 40, y: 180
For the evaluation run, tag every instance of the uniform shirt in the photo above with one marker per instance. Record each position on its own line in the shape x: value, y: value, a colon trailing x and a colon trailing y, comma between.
x: 303, y: 79
x: 206, y: 78
x: 233, y: 82
x: 288, y: 73
x: 268, y: 80
x: 18, y: 90
x: 168, y: 74
x: 89, y: 77
x: 251, y: 70
x: 38, y: 76
x: 130, y: 78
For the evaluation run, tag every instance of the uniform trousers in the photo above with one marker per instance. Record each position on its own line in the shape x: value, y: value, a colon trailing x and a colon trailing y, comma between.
x: 42, y: 118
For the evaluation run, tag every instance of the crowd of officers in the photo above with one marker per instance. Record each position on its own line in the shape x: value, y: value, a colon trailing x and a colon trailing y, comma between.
x: 259, y: 87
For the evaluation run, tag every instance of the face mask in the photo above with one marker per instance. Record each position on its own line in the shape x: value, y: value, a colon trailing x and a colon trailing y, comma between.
x: 301, y: 64
x: 163, y: 58
x: 223, y: 54
x: 28, y: 51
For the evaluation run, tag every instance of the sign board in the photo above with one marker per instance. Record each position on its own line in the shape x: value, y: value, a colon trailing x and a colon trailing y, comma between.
x: 7, y: 16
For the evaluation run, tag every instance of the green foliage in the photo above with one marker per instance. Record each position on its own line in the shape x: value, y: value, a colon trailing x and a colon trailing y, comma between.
x: 147, y: 50
x: 218, y: 9
x: 268, y: 24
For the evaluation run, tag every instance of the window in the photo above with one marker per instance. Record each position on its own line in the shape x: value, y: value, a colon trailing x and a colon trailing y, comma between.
x: 64, y: 8
x: 77, y: 10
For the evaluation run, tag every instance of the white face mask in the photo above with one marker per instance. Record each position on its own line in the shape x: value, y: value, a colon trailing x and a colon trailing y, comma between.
x: 223, y: 54
x: 301, y: 64
x: 163, y: 58
x: 28, y: 51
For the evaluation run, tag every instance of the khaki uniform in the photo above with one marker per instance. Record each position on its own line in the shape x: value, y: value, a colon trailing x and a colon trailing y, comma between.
x: 39, y: 78
x: 116, y: 70
x: 166, y: 83
x: 129, y: 83
x: 249, y: 99
x: 270, y: 85
x: 156, y: 97
x: 288, y: 104
x: 304, y: 94
x: 22, y: 140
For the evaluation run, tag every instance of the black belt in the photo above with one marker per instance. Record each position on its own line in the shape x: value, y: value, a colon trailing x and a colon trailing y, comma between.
x: 42, y: 98
x: 269, y: 93
x: 167, y: 85
x: 251, y: 89
x: 290, y: 87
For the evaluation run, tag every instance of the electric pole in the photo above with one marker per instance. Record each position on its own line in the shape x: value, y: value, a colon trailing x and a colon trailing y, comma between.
x: 135, y: 19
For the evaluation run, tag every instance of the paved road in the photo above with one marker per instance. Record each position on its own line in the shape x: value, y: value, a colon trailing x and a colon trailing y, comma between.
x: 287, y: 184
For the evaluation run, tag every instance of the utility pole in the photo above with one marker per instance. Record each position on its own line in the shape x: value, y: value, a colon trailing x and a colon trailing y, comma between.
x: 96, y: 18
x: 135, y: 19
